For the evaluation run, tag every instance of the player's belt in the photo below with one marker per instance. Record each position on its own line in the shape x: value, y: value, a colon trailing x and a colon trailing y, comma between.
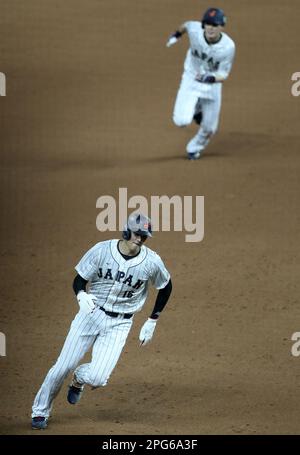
x: 113, y: 314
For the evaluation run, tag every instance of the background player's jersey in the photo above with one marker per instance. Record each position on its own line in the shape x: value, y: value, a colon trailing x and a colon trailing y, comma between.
x: 121, y: 285
x: 202, y: 57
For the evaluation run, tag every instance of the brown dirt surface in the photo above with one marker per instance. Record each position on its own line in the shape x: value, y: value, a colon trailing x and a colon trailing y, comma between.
x: 88, y: 109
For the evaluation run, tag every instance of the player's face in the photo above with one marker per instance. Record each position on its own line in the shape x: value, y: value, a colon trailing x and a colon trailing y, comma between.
x: 137, y: 239
x: 212, y: 32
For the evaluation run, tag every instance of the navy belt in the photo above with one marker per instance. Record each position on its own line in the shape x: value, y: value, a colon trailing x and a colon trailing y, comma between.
x: 112, y: 314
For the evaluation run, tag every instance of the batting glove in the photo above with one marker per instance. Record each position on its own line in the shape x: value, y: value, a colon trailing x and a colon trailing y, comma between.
x: 147, y: 331
x: 206, y: 78
x: 86, y: 302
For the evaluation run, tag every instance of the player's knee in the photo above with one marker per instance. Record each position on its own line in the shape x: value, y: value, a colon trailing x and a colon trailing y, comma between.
x: 180, y: 121
x: 98, y: 381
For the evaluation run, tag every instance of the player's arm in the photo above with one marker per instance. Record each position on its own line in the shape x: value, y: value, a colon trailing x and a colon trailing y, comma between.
x: 148, y: 328
x: 176, y: 35
x: 79, y: 284
x: 225, y: 66
x: 211, y: 78
x: 85, y: 301
x: 86, y: 269
x: 161, y: 300
x: 222, y: 72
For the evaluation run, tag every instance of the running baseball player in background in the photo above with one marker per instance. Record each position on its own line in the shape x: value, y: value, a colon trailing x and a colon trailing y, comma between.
x: 118, y: 273
x: 208, y: 63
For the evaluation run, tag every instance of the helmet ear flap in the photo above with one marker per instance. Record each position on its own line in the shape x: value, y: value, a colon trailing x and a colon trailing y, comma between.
x: 126, y: 234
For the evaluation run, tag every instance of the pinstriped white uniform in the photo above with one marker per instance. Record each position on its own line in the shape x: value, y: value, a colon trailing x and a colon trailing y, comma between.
x: 193, y: 96
x: 121, y: 286
x: 101, y: 264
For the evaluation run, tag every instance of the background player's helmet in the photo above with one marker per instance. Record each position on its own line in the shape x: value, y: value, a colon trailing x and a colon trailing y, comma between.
x: 214, y: 16
x: 139, y: 224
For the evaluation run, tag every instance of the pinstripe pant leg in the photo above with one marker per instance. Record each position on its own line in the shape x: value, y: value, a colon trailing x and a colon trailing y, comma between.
x: 106, y: 352
x: 185, y: 104
x: 77, y: 343
x: 209, y: 125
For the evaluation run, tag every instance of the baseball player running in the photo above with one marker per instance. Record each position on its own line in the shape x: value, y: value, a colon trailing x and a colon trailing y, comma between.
x: 208, y: 63
x: 118, y: 273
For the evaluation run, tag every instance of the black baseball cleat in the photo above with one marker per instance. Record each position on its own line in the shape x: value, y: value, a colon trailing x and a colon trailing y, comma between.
x: 198, y: 118
x: 194, y: 156
x: 74, y: 394
x: 39, y: 423
x: 75, y: 391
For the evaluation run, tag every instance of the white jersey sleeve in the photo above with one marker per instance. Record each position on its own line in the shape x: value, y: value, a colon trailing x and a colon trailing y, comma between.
x: 159, y: 274
x: 88, y: 265
x: 193, y: 28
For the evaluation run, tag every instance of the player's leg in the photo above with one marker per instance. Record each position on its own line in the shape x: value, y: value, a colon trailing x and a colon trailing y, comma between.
x: 106, y: 352
x: 210, y: 119
x: 198, y: 112
x: 78, y: 342
x: 185, y: 104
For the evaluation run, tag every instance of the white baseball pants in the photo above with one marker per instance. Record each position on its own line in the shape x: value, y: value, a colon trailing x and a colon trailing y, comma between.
x: 107, y: 335
x: 193, y: 97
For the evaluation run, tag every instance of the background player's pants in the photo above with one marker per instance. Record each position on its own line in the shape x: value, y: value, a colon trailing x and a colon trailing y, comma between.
x: 107, y: 335
x: 189, y: 101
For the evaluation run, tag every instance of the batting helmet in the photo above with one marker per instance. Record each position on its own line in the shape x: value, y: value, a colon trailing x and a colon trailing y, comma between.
x: 214, y: 16
x: 139, y: 224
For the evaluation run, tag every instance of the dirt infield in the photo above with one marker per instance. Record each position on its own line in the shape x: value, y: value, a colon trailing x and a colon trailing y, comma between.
x: 90, y: 93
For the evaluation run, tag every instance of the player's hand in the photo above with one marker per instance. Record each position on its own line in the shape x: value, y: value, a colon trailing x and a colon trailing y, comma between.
x: 171, y: 41
x: 86, y: 301
x: 174, y: 38
x: 206, y: 78
x: 147, y: 331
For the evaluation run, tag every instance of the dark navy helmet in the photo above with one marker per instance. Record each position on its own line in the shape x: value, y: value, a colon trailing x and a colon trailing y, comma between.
x: 139, y: 224
x: 214, y: 16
